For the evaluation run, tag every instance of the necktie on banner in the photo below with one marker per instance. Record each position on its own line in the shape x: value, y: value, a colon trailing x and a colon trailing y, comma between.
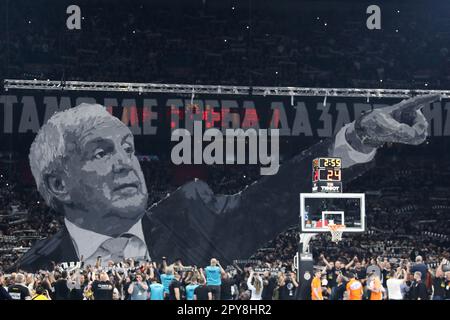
x: 120, y: 248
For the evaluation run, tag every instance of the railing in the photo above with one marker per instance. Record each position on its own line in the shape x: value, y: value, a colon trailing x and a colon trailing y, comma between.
x: 216, y: 89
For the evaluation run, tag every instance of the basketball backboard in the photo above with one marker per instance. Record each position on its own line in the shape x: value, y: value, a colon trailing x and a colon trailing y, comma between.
x: 318, y: 210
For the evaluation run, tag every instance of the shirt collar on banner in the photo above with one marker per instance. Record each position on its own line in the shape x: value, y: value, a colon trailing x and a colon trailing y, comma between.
x: 86, y: 242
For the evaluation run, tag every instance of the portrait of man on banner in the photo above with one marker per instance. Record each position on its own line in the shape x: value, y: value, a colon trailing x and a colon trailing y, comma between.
x: 84, y: 164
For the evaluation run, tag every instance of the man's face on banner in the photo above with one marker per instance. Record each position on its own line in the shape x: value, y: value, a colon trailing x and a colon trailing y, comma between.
x: 104, y: 176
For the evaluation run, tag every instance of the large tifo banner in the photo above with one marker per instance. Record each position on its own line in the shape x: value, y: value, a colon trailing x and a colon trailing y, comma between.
x: 84, y: 163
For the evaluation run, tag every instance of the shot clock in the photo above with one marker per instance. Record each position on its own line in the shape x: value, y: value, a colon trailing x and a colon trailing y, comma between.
x: 327, y: 175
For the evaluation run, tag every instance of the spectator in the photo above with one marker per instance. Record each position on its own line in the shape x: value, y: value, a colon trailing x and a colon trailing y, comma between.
x: 333, y: 271
x: 175, y: 287
x: 41, y: 294
x: 255, y: 284
x: 19, y: 291
x: 421, y: 267
x: 354, y: 288
x: 77, y: 287
x: 61, y: 287
x: 316, y: 286
x: 439, y: 282
x: 418, y: 289
x: 102, y: 289
x: 126, y: 285
x: 287, y: 286
x: 138, y: 288
x: 47, y: 283
x: 226, y: 288
x: 202, y: 292
x: 214, y: 273
x: 166, y: 279
x: 375, y: 287
x: 341, y: 287
x: 359, y: 269
x: 270, y: 284
x: 4, y: 295
x: 190, y: 288
x: 156, y: 290
x: 447, y: 285
x: 385, y: 272
x: 116, y: 294
x: 395, y: 283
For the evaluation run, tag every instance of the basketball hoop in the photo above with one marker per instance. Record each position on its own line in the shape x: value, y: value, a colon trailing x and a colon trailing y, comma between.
x: 336, y: 231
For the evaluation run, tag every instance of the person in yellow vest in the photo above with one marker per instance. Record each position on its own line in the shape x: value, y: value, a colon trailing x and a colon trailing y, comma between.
x: 375, y: 288
x: 41, y: 294
x: 354, y: 288
x: 316, y: 286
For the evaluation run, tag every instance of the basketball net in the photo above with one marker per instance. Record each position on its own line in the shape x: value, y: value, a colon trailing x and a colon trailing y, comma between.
x: 336, y: 231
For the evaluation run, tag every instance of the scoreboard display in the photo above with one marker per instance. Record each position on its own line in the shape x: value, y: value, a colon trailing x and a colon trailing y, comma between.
x: 327, y: 175
x: 329, y: 163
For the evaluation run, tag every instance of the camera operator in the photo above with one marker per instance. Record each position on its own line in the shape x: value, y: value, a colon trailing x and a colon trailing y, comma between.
x: 138, y: 288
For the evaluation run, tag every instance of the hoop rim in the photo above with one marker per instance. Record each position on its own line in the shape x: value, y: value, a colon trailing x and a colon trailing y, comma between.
x: 336, y: 226
x: 336, y: 230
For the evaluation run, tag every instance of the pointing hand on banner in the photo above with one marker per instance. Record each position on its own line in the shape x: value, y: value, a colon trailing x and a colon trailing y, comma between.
x: 403, y: 122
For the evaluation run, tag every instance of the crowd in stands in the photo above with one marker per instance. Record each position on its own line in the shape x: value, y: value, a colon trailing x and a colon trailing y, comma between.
x: 306, y: 45
x: 360, y: 279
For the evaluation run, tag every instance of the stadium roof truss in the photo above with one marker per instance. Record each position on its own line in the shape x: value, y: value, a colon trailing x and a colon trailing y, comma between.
x: 216, y: 89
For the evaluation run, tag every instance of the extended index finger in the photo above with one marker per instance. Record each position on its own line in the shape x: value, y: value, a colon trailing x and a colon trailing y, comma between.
x: 413, y: 104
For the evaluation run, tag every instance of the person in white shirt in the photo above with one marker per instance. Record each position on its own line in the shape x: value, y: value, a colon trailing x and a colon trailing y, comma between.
x: 395, y: 283
x: 255, y: 285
